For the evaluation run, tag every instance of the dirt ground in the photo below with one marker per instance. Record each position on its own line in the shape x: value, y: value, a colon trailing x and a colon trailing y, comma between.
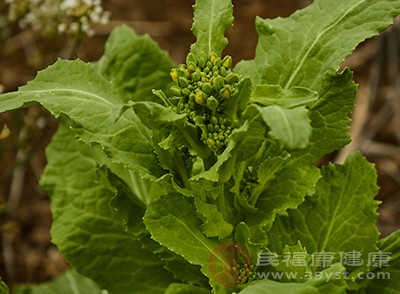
x: 27, y: 255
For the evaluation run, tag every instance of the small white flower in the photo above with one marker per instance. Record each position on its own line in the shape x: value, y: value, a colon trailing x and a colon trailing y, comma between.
x: 74, y: 27
x: 62, y: 16
x: 69, y: 4
x: 105, y: 19
x: 98, y: 9
x: 62, y: 27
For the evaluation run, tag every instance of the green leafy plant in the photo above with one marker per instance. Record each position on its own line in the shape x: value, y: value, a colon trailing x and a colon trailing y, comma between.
x: 201, y: 177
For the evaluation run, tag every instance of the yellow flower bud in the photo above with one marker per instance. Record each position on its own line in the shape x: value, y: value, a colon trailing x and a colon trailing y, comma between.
x: 225, y: 93
x: 174, y: 75
x: 199, y: 98
x: 227, y: 62
x: 213, y: 56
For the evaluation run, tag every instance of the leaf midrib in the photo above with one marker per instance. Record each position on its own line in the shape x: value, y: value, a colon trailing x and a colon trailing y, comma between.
x: 210, y: 29
x: 319, y: 36
x: 73, y: 284
x: 105, y: 101
x: 334, y: 216
x: 201, y: 241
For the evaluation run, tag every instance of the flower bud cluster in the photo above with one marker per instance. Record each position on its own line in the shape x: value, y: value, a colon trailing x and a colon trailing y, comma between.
x: 62, y: 16
x: 202, y: 86
x: 248, y: 182
x: 243, y: 273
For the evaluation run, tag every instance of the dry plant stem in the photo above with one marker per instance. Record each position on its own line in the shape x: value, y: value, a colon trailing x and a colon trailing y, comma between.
x: 14, y: 198
x: 9, y: 258
x: 377, y: 123
x: 373, y: 148
x: 394, y: 76
x: 390, y: 168
x: 391, y: 206
x: 390, y: 109
x: 71, y: 49
x: 14, y: 43
x: 388, y: 213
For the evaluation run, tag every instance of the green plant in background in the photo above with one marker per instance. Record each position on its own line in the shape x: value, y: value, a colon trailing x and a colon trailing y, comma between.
x: 201, y: 178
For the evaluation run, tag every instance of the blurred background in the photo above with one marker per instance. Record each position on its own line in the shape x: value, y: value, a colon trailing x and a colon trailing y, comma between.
x: 34, y: 36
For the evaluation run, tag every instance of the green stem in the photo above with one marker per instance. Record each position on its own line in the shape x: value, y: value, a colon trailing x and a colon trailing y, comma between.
x: 201, y: 150
x: 226, y: 207
x: 181, y: 169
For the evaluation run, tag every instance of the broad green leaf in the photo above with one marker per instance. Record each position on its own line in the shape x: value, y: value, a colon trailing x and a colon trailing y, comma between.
x: 214, y: 224
x: 253, y: 175
x: 252, y: 135
x: 291, y: 184
x: 290, y: 50
x: 391, y: 244
x: 248, y: 68
x: 329, y: 281
x: 244, y: 142
x: 272, y: 287
x: 190, y: 133
x: 141, y: 189
x: 73, y: 89
x: 135, y: 65
x: 223, y: 168
x: 220, y: 171
x: 270, y: 95
x: 3, y: 287
x: 329, y: 121
x: 387, y: 278
x: 211, y: 19
x: 234, y: 107
x: 128, y: 207
x: 132, y: 215
x: 175, y: 160
x: 87, y: 230
x: 68, y: 283
x: 268, y: 168
x: 294, y: 259
x: 289, y: 126
x: 183, y: 270
x: 339, y: 216
x: 286, y: 188
x: 186, y: 289
x: 243, y: 239
x: 306, y: 49
x: 171, y: 221
x: 330, y: 118
x: 154, y: 115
